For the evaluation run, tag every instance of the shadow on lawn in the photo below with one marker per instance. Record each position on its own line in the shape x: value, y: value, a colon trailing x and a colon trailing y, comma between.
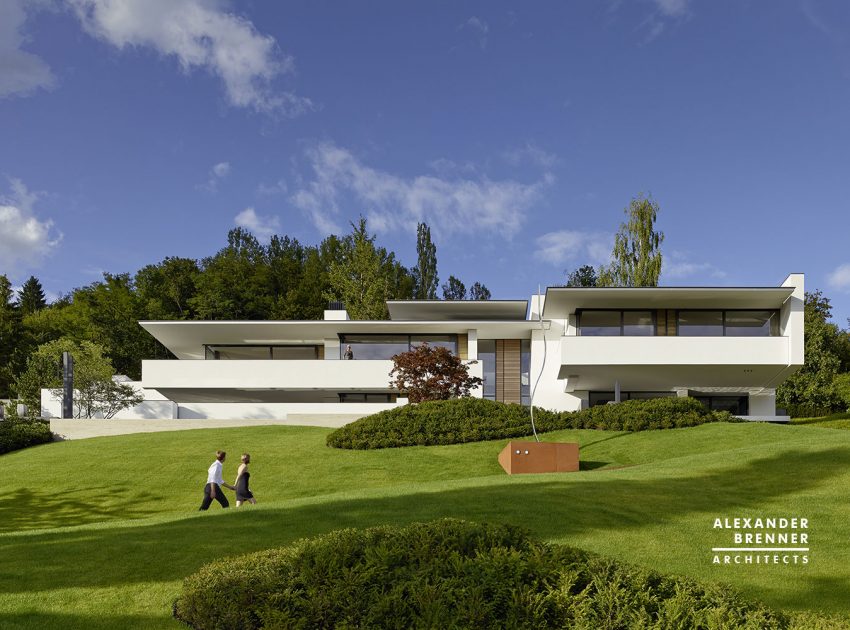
x: 552, y: 508
x: 46, y: 621
x: 24, y: 508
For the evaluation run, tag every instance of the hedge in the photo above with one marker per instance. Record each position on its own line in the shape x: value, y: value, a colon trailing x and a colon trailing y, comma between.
x: 453, y: 574
x: 476, y: 419
x: 17, y: 433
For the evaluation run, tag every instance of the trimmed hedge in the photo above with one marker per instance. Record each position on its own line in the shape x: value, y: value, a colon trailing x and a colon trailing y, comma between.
x: 16, y: 434
x: 476, y: 419
x: 452, y: 574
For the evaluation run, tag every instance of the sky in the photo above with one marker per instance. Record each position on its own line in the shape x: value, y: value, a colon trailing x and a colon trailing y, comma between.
x: 132, y: 130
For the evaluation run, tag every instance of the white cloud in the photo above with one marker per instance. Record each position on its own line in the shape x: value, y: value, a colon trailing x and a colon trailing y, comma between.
x: 392, y: 202
x: 221, y: 169
x: 217, y: 172
x: 24, y: 239
x: 678, y: 265
x: 479, y: 27
x: 672, y: 8
x: 200, y: 34
x: 530, y: 152
x: 21, y: 72
x: 269, y: 190
x: 840, y: 278
x: 574, y: 247
x: 263, y: 227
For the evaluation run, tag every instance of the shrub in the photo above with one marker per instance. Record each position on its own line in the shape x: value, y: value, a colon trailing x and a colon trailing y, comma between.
x: 476, y: 419
x: 642, y: 415
x: 440, y: 422
x: 18, y: 433
x: 451, y: 574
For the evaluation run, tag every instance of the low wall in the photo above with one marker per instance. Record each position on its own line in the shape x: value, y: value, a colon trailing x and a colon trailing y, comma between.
x: 283, y: 411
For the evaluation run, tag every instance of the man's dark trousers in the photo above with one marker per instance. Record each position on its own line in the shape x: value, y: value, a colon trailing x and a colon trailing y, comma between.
x: 219, y: 496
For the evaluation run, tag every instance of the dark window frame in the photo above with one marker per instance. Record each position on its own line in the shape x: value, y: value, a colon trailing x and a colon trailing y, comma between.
x: 410, y: 346
x: 723, y: 311
x: 653, y: 313
x: 208, y: 349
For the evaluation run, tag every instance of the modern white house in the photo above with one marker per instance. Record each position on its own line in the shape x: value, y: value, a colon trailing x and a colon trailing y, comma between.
x: 570, y: 348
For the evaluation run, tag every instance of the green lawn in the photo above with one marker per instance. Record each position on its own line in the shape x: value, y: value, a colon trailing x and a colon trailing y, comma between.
x: 834, y: 421
x: 99, y: 533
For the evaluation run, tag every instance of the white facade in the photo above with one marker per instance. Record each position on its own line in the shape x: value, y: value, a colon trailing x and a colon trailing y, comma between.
x: 542, y: 349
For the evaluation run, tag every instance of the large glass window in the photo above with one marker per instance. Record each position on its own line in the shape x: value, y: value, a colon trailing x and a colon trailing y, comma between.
x: 736, y: 405
x: 600, y: 323
x: 261, y: 353
x: 638, y: 324
x: 752, y: 323
x: 701, y: 323
x: 728, y: 323
x: 384, y: 347
x: 295, y: 353
x: 487, y: 356
x: 442, y: 341
x: 241, y: 353
x: 616, y: 323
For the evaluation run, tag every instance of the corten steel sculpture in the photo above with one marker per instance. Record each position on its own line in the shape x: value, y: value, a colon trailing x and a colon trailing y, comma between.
x: 539, y: 457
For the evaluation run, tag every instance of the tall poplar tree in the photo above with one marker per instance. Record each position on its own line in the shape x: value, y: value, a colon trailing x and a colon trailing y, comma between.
x: 425, y: 273
x: 636, y: 258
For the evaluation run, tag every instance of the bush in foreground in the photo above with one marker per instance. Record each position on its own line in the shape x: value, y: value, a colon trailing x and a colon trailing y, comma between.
x: 451, y: 574
x: 17, y: 433
x: 475, y: 419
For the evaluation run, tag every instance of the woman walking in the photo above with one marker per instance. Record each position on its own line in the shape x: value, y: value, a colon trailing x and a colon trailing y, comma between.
x: 243, y: 493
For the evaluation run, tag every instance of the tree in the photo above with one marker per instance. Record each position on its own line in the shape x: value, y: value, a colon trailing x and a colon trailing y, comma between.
x: 31, y: 297
x: 10, y: 336
x: 479, y: 292
x: 636, y: 257
x: 431, y: 373
x: 94, y: 390
x: 360, y: 279
x: 584, y: 276
x: 454, y: 289
x: 814, y: 384
x: 235, y: 283
x: 425, y: 272
x: 166, y: 289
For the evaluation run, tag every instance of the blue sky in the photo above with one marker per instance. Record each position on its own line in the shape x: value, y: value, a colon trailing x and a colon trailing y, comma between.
x: 134, y: 130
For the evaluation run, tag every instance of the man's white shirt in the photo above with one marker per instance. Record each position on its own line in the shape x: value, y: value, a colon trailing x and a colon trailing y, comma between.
x: 214, y: 473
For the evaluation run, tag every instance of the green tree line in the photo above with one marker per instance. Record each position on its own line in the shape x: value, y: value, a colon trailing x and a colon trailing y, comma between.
x: 244, y: 280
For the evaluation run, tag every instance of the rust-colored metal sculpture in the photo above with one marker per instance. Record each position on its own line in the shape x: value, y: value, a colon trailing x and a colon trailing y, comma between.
x: 539, y: 457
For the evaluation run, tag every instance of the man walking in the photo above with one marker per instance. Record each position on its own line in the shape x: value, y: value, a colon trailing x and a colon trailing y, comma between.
x: 214, y: 483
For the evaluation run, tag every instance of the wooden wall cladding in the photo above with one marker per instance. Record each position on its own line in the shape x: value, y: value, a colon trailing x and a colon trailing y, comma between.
x: 463, y: 346
x: 508, y: 370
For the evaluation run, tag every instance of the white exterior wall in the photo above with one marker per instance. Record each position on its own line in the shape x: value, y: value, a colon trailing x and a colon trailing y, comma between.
x: 550, y: 391
x: 763, y: 404
x: 292, y: 375
x: 319, y: 414
x: 155, y: 405
x: 720, y: 351
x: 791, y: 319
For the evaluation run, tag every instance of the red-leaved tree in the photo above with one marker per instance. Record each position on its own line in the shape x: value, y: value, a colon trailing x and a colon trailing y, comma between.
x: 431, y: 373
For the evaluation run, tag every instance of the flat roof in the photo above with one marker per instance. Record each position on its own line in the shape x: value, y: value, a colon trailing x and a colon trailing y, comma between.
x: 457, y: 310
x: 561, y: 301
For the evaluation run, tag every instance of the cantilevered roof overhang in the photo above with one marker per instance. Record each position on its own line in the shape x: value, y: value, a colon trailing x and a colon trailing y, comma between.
x: 457, y: 310
x: 563, y: 301
x: 186, y: 339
